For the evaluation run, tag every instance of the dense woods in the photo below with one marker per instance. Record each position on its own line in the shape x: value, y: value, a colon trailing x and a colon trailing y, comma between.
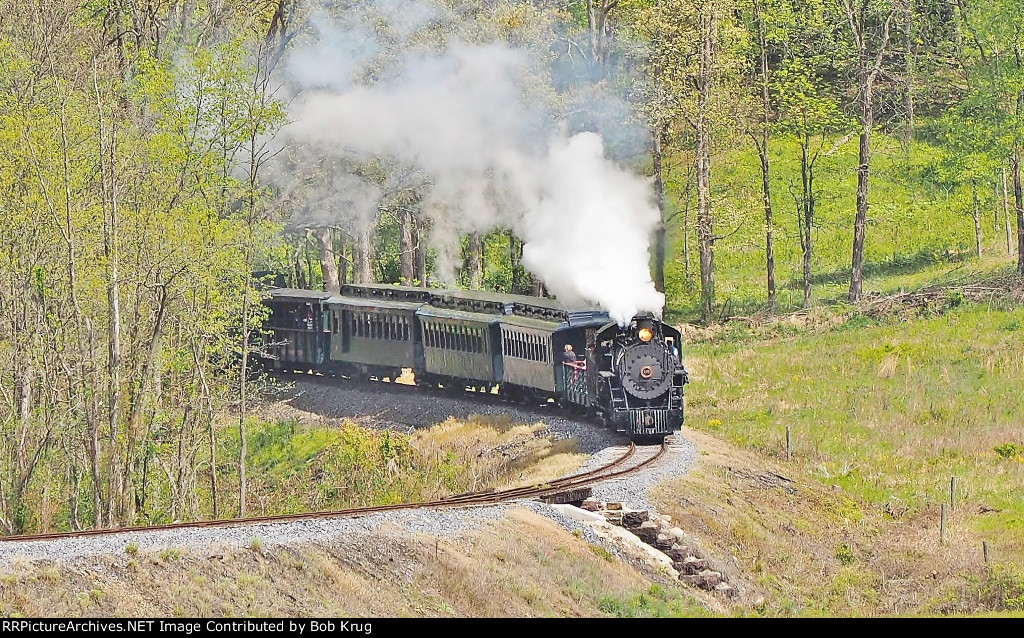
x: 146, y: 178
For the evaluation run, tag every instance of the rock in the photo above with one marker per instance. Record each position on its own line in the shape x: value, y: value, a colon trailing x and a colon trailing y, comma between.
x: 693, y: 565
x: 725, y: 589
x: 613, y: 505
x: 635, y: 518
x: 648, y: 532
x: 679, y: 534
x: 707, y: 579
x: 613, y: 517
x: 711, y: 578
x: 664, y: 542
x: 665, y: 518
x: 678, y: 553
x: 592, y: 504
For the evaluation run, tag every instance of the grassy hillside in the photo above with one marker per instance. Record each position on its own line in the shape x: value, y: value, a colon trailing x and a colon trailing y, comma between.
x: 886, y: 412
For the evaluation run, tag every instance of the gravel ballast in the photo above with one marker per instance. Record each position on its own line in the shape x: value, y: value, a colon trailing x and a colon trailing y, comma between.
x: 405, y: 408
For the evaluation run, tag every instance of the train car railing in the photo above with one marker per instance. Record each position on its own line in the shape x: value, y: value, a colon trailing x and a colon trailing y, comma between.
x: 298, y: 345
x: 575, y: 373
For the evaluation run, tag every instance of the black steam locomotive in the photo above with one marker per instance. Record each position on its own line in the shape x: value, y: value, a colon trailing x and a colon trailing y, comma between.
x: 632, y: 377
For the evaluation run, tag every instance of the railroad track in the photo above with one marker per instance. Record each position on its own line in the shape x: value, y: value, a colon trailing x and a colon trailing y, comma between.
x: 488, y: 497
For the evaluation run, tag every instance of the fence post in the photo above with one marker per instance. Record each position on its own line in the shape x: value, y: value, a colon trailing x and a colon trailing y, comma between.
x: 942, y: 525
x: 952, y: 492
x: 789, y: 447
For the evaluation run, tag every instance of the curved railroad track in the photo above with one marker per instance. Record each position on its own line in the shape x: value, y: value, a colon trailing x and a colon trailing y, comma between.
x: 489, y: 497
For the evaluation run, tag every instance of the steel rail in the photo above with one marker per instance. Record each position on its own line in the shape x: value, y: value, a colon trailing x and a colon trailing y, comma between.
x: 465, y: 499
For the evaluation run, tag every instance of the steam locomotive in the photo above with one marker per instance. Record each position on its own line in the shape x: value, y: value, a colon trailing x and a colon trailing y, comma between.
x: 631, y: 377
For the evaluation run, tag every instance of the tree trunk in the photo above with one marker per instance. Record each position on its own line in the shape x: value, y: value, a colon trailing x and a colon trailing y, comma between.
x: 421, y: 255
x: 328, y: 260
x: 597, y: 17
x: 762, y: 151
x: 657, y: 135
x: 977, y: 219
x: 364, y: 256
x: 1006, y: 213
x: 807, y: 223
x: 1018, y: 199
x: 908, y: 70
x: 515, y: 249
x: 407, y: 245
x: 341, y: 250
x: 300, y: 274
x: 995, y: 209
x: 207, y: 400
x: 475, y: 259
x: 860, y: 222
x: 686, y: 243
x: 537, y: 288
x: 243, y: 397
x: 869, y: 68
x: 705, y: 222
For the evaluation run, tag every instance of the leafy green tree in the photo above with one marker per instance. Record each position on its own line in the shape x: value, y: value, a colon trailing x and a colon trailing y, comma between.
x: 995, y: 101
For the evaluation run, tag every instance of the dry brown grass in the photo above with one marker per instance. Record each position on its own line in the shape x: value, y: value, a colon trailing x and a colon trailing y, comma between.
x: 521, y: 566
x: 805, y: 549
x: 500, y: 453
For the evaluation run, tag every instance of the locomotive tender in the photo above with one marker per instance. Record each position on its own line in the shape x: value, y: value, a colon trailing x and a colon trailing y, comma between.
x: 631, y: 376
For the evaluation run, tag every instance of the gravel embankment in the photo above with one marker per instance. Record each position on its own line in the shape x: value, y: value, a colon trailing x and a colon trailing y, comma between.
x: 438, y: 522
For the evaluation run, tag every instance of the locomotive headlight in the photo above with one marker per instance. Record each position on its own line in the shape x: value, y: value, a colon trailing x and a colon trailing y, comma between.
x: 645, y: 334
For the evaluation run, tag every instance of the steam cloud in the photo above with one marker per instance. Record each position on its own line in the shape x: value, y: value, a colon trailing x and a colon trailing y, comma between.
x: 460, y: 114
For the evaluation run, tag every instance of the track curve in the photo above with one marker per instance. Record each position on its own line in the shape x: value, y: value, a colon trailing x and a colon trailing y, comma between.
x: 605, y: 472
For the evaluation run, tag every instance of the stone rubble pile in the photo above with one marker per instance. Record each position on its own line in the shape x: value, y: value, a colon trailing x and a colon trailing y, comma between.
x: 658, y: 532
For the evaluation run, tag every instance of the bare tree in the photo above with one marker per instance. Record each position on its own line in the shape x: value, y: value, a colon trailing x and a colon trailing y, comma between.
x: 869, y: 31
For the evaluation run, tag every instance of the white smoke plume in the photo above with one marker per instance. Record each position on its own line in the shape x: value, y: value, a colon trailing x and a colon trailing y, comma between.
x: 461, y: 114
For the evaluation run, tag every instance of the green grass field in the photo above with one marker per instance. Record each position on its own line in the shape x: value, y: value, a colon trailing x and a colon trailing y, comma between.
x: 890, y: 407
x: 917, y: 230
